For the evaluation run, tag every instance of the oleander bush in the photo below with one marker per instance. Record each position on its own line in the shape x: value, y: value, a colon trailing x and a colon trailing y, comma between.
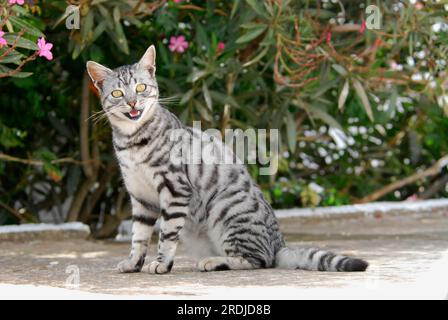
x: 361, y: 111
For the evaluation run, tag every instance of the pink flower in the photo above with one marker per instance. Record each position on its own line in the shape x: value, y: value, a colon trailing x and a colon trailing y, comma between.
x: 363, y: 27
x: 2, y: 40
x: 19, y: 2
x: 44, y: 49
x: 177, y: 1
x: 419, y: 6
x: 413, y: 197
x: 221, y: 47
x: 329, y: 36
x: 178, y: 44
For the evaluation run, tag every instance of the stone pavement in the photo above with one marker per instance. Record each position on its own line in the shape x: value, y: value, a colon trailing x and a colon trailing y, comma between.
x: 408, y: 258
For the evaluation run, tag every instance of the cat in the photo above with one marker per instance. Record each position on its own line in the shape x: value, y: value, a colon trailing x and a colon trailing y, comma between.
x: 214, y: 208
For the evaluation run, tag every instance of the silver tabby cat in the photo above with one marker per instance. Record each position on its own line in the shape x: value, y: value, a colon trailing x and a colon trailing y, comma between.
x: 215, y: 209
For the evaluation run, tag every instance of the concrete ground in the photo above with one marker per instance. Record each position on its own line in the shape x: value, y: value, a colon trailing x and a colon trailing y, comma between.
x: 408, y: 258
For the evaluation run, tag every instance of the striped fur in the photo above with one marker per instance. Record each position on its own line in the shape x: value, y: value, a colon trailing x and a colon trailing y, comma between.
x: 215, y: 208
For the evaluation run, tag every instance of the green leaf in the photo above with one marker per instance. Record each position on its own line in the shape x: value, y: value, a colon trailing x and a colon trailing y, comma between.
x: 20, y: 10
x: 343, y: 95
x: 120, y: 38
x: 251, y: 25
x: 76, y: 51
x: 186, y: 97
x: 196, y: 75
x: 4, y: 69
x: 291, y: 132
x: 364, y: 99
x: 22, y: 24
x: 224, y: 98
x: 207, y: 97
x: 134, y: 21
x: 252, y: 34
x: 21, y: 43
x: 340, y: 69
x: 255, y: 5
x: 117, y: 15
x: 257, y: 58
x: 87, y: 25
x: 96, y: 2
x: 236, y: 4
x: 104, y: 12
x: 99, y: 30
x: 201, y: 36
x: 325, y: 86
x: 10, y: 137
x: 13, y: 57
x: 203, y: 111
x: 319, y: 112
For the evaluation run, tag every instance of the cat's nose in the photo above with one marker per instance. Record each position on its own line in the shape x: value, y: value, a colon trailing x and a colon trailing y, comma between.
x: 132, y: 103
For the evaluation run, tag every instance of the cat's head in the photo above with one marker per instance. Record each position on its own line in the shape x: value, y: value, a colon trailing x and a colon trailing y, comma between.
x: 128, y: 93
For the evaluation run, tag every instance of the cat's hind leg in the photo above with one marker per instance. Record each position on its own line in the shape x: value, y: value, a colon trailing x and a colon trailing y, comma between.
x: 225, y: 263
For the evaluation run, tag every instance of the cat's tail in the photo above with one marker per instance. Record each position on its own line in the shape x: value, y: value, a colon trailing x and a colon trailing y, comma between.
x: 317, y: 260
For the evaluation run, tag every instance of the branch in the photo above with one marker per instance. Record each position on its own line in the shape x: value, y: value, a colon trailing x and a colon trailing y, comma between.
x: 14, y: 44
x: 432, y: 171
x: 5, y: 18
x: 19, y: 67
x: 78, y: 200
x: 438, y: 185
x: 149, y: 8
x: 12, y: 211
x: 33, y: 162
x: 84, y: 127
x: 346, y: 28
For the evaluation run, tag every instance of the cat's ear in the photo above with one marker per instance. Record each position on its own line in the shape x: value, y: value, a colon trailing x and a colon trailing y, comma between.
x: 148, y: 61
x: 98, y: 73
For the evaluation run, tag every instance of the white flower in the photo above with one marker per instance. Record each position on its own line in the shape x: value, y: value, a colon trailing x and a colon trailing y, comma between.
x: 410, y: 61
x: 417, y: 77
x: 322, y: 152
x: 339, y: 137
x: 315, y: 187
x: 421, y: 54
x: 440, y: 26
x: 442, y: 101
x: 437, y: 27
x: 375, y: 163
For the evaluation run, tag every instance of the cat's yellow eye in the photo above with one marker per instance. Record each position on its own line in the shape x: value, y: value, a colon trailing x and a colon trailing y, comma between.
x: 140, y: 87
x: 117, y: 93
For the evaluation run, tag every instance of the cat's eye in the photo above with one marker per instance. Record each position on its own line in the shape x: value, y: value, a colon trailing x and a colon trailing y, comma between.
x: 117, y: 93
x: 140, y: 87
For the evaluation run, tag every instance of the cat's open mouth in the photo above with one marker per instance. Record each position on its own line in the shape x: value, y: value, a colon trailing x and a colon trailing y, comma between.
x: 133, y: 114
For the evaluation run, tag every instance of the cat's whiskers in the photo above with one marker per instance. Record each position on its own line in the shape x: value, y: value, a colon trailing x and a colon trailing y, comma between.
x: 169, y: 100
x: 95, y: 115
x: 101, y: 115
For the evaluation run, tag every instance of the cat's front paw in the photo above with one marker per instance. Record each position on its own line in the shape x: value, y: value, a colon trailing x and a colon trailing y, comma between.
x: 130, y: 265
x: 157, y: 267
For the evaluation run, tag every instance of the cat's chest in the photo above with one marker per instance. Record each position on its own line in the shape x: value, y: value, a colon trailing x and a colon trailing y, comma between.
x: 138, y: 176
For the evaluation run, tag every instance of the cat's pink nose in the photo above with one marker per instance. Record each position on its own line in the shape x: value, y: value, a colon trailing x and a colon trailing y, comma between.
x: 132, y: 103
